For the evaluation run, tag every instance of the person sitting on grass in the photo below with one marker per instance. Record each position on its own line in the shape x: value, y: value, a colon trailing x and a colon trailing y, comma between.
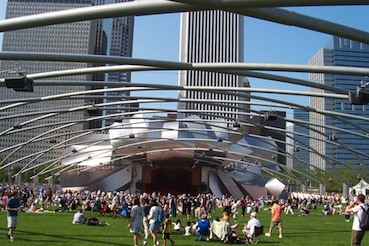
x: 326, y: 211
x: 188, y: 229
x: 177, y: 225
x: 249, y: 228
x: 203, y: 226
x: 78, y: 218
x: 304, y: 211
x: 194, y: 228
x: 32, y: 208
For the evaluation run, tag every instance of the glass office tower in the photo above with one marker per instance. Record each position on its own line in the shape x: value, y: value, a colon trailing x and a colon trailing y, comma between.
x: 339, y: 144
x: 101, y: 37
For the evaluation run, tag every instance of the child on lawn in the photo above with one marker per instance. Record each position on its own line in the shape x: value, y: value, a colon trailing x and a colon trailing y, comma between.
x: 167, y: 229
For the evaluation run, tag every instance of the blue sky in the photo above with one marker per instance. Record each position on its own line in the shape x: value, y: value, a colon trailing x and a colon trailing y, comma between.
x: 265, y: 42
x: 2, y: 16
x: 157, y: 37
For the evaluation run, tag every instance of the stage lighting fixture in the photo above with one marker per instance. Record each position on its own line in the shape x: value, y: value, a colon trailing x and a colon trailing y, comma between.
x: 270, y: 115
x: 19, y: 83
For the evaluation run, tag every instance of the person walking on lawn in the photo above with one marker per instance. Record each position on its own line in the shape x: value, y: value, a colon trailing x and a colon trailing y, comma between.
x: 12, y: 207
x: 276, y: 219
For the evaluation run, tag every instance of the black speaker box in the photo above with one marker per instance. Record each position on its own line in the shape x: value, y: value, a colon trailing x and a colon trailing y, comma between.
x: 19, y: 83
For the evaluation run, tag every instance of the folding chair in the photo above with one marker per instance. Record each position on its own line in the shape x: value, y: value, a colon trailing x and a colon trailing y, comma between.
x: 255, y: 238
x: 219, y: 229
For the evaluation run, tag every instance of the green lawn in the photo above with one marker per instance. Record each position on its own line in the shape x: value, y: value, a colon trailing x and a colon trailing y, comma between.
x: 56, y: 229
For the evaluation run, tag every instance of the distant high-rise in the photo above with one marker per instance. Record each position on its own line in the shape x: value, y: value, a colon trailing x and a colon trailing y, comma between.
x: 281, y: 137
x: 301, y: 141
x: 103, y: 37
x: 336, y: 144
x: 114, y: 38
x: 289, y: 144
x: 210, y: 36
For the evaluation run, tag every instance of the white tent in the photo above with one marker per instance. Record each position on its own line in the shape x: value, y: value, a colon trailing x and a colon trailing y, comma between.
x: 362, y: 187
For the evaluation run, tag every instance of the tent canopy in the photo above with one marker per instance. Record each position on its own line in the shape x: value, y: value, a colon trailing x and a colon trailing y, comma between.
x: 361, y: 187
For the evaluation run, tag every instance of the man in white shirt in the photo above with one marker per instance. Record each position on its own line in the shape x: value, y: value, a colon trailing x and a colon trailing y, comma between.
x: 78, y: 218
x: 234, y: 210
x: 114, y: 204
x: 154, y: 224
x: 357, y: 208
x: 249, y: 228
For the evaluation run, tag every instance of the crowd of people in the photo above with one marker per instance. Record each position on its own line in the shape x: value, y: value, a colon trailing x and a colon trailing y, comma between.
x: 154, y: 213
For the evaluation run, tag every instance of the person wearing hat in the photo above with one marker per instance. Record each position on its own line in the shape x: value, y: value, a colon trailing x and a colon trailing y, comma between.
x: 249, y: 228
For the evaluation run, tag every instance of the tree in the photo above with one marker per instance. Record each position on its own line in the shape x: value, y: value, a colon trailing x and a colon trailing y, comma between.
x: 3, y: 176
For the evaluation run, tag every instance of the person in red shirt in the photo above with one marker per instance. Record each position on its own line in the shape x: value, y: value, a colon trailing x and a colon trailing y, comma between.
x: 276, y: 219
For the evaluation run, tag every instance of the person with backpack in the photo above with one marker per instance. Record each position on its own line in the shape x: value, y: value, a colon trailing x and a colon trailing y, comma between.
x: 361, y: 217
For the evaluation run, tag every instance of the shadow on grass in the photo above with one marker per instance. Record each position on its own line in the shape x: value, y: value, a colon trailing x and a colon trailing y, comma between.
x: 57, y: 238
x: 314, y: 231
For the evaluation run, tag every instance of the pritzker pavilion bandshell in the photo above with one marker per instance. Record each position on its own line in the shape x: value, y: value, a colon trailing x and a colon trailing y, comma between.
x: 142, y: 151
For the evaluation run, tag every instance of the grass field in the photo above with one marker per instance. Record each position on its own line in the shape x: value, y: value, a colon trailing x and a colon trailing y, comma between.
x: 57, y: 229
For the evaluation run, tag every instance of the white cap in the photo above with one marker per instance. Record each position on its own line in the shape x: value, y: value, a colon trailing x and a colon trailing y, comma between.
x: 253, y: 214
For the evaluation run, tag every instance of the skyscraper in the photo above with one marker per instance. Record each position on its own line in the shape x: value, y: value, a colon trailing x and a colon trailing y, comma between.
x: 281, y: 136
x: 210, y: 36
x: 114, y: 38
x: 103, y: 37
x: 337, y: 144
x: 301, y: 154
